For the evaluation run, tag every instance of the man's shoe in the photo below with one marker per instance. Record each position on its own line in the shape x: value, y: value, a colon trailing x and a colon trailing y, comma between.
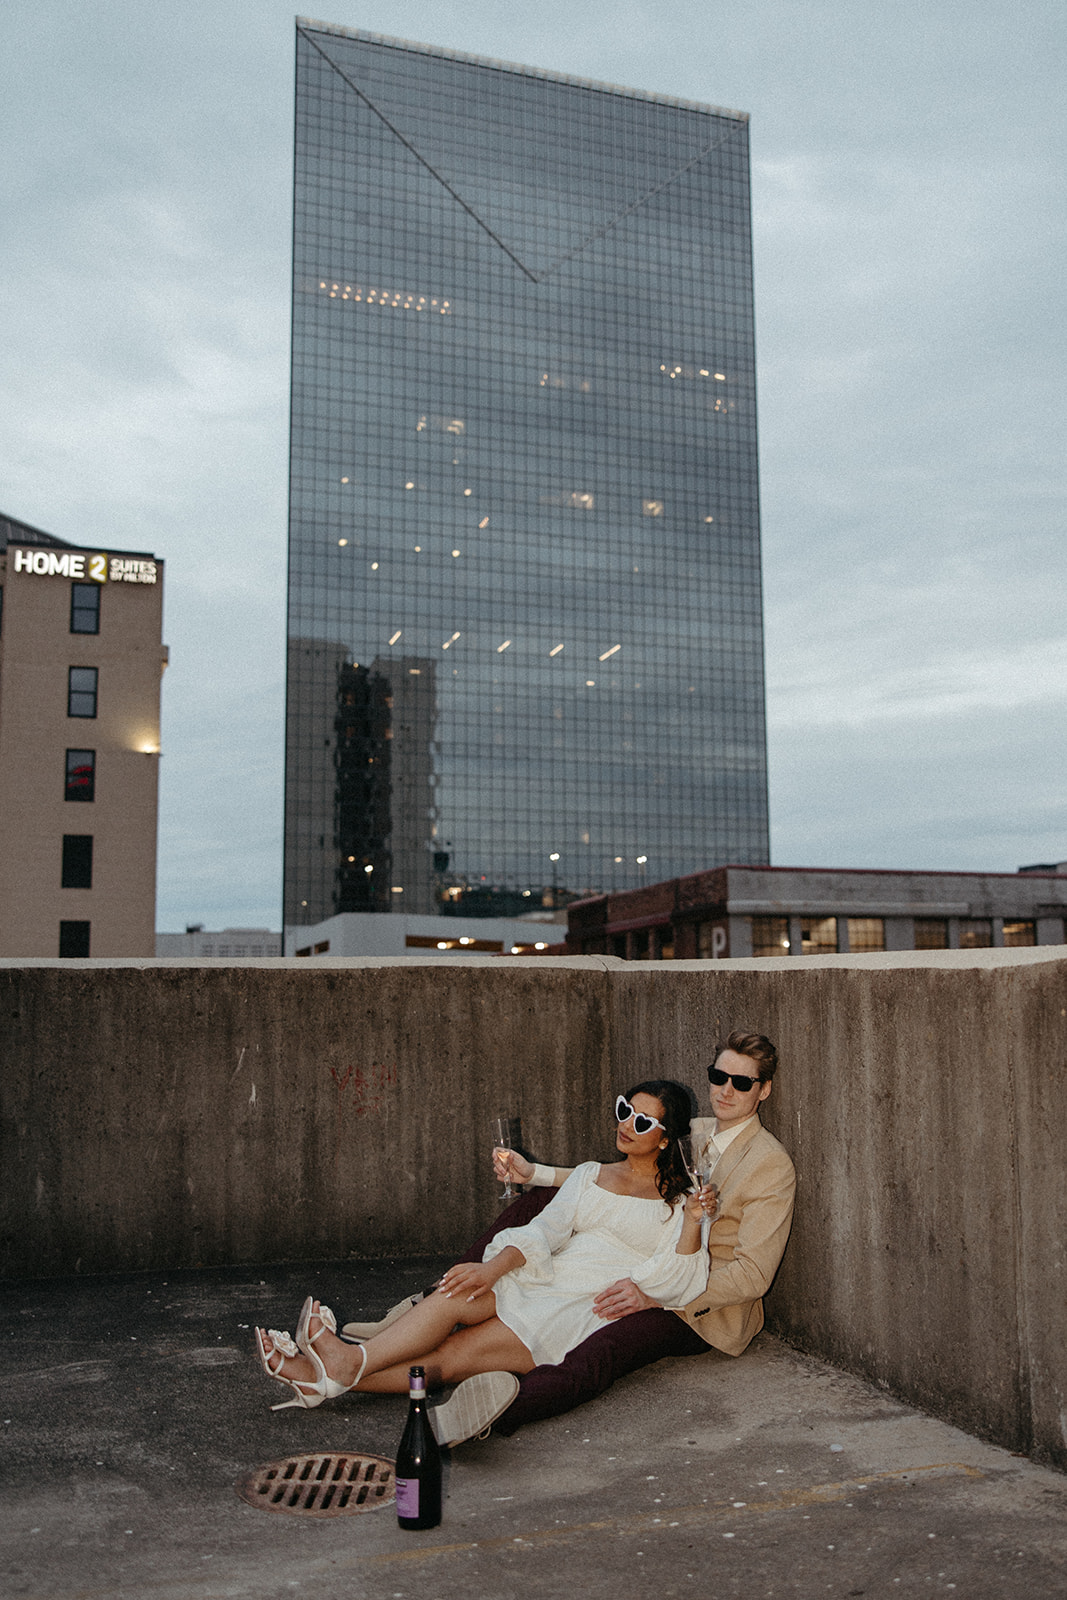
x: 367, y: 1330
x: 474, y: 1406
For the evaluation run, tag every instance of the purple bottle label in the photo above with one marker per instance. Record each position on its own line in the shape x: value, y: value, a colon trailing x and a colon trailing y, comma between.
x: 407, y: 1497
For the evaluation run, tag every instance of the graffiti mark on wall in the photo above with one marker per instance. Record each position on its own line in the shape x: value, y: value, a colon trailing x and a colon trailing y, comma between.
x: 363, y: 1090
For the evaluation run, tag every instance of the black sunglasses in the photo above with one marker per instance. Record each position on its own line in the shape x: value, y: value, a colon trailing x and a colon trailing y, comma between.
x: 738, y: 1079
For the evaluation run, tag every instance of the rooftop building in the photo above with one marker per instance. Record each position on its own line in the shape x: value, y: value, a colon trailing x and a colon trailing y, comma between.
x: 80, y: 668
x: 799, y: 911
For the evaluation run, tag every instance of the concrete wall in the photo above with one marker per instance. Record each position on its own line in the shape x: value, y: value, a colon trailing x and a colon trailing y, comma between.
x: 173, y: 1114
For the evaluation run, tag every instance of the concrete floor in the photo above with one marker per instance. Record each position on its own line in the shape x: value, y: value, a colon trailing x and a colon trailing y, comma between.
x: 132, y: 1405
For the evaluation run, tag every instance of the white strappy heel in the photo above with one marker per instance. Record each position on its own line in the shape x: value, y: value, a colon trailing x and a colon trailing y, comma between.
x: 307, y: 1393
x: 325, y: 1388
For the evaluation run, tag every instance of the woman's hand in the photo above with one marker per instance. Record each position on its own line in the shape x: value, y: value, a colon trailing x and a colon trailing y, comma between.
x: 705, y: 1203
x: 509, y: 1165
x: 469, y: 1279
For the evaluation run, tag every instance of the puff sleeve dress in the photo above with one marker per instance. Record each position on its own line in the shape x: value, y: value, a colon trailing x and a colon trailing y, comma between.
x: 584, y: 1240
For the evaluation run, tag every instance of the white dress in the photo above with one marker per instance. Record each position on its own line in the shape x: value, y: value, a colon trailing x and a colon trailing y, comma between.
x: 585, y: 1239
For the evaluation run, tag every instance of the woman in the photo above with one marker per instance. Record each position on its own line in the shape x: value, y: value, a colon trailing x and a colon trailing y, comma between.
x: 531, y: 1299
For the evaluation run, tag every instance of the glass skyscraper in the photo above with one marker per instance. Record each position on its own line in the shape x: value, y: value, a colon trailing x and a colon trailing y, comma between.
x: 525, y: 621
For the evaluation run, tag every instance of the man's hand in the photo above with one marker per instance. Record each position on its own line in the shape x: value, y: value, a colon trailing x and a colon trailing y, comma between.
x: 620, y: 1299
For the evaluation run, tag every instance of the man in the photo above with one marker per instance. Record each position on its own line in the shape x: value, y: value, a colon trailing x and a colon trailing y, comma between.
x: 755, y: 1183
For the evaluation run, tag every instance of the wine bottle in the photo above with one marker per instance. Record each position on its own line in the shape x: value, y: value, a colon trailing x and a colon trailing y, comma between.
x: 418, y: 1462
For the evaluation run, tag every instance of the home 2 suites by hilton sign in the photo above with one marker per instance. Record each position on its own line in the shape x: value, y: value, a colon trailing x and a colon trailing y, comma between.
x: 99, y: 568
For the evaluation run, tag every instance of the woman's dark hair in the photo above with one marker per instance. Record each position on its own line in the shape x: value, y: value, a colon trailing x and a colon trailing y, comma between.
x: 672, y: 1179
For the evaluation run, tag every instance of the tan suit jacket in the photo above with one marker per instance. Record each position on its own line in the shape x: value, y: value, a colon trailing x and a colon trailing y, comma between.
x: 748, y: 1234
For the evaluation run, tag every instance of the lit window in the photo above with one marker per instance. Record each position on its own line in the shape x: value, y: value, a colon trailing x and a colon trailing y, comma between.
x: 394, y: 637
x: 1019, y: 933
x: 866, y: 933
x: 555, y: 650
x: 818, y: 936
x: 652, y: 508
x: 610, y: 652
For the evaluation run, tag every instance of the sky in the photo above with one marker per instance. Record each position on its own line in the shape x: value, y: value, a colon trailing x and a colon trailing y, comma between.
x: 910, y: 223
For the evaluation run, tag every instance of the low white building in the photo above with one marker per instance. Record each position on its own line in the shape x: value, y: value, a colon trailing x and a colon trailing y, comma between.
x: 367, y: 933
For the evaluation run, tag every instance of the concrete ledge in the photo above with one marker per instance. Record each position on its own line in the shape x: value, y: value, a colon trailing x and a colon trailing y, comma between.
x: 168, y: 1114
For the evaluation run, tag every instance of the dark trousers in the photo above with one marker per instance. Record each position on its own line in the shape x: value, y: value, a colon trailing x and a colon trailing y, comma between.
x: 614, y: 1350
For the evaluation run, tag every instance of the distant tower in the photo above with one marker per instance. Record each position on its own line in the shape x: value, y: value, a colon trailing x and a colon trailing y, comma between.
x: 524, y: 525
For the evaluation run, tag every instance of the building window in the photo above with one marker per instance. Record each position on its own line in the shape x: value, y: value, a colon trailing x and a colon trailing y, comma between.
x: 74, y: 939
x: 81, y: 692
x: 85, y: 608
x: 931, y: 933
x: 77, y: 861
x: 1019, y: 933
x: 80, y: 781
x: 866, y: 933
x: 770, y: 936
x: 976, y: 933
x: 818, y: 936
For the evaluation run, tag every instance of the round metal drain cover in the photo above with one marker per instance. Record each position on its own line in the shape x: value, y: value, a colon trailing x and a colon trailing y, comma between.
x: 320, y: 1485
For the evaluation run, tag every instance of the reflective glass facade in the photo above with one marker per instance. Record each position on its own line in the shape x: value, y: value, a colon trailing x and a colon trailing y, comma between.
x: 525, y: 626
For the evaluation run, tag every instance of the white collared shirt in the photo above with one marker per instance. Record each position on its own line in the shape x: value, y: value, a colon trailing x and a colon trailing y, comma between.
x: 720, y: 1142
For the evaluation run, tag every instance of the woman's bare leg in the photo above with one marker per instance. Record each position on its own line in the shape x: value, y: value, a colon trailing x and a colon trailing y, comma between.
x: 487, y: 1347
x: 415, y: 1336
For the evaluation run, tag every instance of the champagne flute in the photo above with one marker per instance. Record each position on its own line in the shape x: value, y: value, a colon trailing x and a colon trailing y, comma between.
x: 502, y: 1144
x: 697, y: 1159
x: 689, y: 1148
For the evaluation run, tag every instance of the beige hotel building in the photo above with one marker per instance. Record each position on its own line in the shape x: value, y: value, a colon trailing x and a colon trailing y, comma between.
x: 81, y: 660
